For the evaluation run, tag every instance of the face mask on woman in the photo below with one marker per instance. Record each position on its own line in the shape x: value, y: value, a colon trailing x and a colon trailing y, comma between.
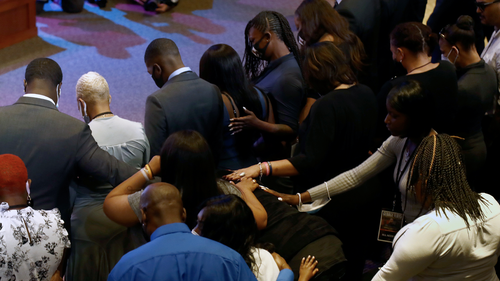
x: 259, y: 52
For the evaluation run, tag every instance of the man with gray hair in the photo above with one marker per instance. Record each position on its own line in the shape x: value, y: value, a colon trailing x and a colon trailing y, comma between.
x: 99, y: 242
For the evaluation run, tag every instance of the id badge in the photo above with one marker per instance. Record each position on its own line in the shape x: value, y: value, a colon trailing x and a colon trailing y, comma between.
x: 390, y: 224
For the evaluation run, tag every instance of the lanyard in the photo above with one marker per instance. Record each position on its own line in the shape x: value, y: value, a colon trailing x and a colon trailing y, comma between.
x: 401, y: 172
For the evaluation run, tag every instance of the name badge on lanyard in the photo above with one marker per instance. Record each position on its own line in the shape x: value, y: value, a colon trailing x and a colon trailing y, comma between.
x: 390, y: 223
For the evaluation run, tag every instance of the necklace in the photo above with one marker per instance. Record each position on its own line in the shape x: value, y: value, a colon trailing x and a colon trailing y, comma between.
x: 418, y: 67
x: 102, y: 115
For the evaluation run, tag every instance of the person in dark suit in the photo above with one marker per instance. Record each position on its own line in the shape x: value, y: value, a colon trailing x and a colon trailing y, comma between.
x: 446, y: 12
x: 55, y: 147
x: 183, y: 102
x: 364, y: 20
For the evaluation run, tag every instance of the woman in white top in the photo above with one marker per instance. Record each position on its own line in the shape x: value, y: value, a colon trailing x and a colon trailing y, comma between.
x: 459, y: 238
x: 32, y: 242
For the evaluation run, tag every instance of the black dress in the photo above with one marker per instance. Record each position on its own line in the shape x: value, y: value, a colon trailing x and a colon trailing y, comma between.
x: 335, y: 136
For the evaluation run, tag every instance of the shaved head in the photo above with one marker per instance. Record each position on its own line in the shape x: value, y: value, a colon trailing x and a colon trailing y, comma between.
x: 161, y: 204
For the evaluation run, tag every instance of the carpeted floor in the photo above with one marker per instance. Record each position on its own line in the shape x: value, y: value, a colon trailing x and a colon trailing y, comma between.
x: 112, y: 42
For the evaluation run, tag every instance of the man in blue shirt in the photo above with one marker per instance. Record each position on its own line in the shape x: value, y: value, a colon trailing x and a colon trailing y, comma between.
x: 174, y: 253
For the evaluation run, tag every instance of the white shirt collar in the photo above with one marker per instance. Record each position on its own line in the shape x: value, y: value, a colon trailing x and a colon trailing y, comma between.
x: 179, y: 71
x: 37, y: 96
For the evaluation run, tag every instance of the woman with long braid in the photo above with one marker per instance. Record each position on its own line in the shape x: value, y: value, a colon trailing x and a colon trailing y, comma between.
x: 271, y: 61
x: 459, y: 237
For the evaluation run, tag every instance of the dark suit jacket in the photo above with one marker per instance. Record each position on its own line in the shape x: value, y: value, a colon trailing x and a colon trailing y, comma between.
x: 185, y: 102
x: 364, y: 20
x: 447, y: 12
x: 55, y: 147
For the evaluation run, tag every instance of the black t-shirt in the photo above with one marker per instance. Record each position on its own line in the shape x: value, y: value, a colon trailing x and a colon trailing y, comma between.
x: 440, y: 83
x: 282, y: 80
x: 335, y: 136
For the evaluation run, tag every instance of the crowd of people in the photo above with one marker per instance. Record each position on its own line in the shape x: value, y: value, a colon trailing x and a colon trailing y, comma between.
x: 271, y: 167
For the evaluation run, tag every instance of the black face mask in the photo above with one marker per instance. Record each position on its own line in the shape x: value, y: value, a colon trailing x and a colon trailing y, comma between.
x: 259, y: 52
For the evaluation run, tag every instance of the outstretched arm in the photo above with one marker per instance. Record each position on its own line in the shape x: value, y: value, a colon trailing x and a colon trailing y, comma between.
x: 246, y: 187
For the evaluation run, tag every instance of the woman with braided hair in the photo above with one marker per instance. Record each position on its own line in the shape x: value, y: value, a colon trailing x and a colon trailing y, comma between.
x: 271, y: 61
x: 459, y: 237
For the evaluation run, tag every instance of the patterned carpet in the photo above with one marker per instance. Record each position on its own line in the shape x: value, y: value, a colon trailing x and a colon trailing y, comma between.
x: 112, y: 42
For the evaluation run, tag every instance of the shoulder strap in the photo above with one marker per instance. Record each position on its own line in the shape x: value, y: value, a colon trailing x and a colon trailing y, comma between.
x: 231, y: 102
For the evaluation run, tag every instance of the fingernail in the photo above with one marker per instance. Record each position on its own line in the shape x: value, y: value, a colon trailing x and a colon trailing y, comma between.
x: 230, y: 125
x: 244, y: 108
x: 230, y: 129
x: 231, y: 120
x: 232, y: 133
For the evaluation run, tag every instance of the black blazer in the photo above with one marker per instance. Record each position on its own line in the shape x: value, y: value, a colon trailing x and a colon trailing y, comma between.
x: 55, y: 147
x: 364, y: 20
x: 185, y: 102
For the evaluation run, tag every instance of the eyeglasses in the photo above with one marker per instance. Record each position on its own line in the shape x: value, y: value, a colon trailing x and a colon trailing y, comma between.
x: 482, y: 5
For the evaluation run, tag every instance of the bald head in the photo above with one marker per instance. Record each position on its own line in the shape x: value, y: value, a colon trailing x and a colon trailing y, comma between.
x: 161, y: 204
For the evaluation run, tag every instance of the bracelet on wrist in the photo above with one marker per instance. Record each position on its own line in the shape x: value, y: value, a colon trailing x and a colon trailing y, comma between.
x: 260, y: 173
x: 144, y: 173
x: 270, y: 168
x: 267, y: 168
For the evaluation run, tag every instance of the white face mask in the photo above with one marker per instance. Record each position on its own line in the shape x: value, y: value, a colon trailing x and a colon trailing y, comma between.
x: 446, y: 58
x: 83, y: 111
x: 58, y: 89
x: 315, y: 206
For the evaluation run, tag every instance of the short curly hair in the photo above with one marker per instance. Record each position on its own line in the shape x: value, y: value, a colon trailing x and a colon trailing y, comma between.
x: 92, y: 87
